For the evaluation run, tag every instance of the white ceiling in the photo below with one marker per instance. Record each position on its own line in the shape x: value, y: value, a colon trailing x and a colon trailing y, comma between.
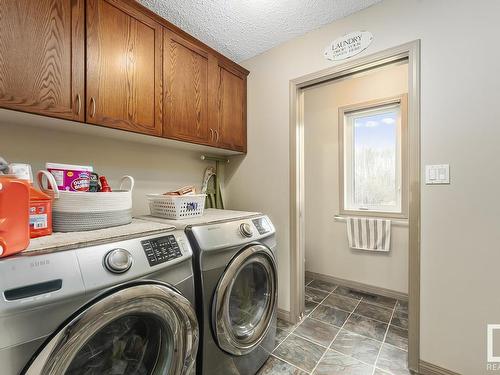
x: 241, y: 29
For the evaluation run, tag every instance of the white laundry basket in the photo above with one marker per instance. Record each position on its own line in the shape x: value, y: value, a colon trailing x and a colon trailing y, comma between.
x: 176, y: 206
x: 82, y: 211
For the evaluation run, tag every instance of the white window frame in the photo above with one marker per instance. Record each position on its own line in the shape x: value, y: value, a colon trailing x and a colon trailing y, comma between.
x: 347, y: 116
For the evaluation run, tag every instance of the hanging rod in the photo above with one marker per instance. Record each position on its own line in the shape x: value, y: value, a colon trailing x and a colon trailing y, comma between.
x: 214, y: 158
x: 395, y: 222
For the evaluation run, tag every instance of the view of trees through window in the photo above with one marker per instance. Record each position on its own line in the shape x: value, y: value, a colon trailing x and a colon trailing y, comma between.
x: 375, y: 142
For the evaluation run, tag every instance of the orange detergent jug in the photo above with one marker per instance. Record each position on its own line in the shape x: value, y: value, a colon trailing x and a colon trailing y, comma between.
x: 40, y: 213
x: 14, y: 215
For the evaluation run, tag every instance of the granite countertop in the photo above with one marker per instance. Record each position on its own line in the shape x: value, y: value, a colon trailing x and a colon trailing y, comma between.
x: 210, y: 215
x: 75, y: 240
x: 140, y: 227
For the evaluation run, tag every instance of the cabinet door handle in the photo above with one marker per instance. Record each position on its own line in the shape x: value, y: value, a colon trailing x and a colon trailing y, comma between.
x: 211, y: 134
x: 92, y: 105
x: 216, y: 136
x: 79, y: 104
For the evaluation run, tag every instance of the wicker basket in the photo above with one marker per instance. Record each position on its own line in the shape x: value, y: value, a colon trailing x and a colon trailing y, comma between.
x: 176, y: 206
x: 84, y: 211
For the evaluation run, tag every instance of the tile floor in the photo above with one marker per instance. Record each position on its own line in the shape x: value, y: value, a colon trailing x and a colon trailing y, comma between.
x: 344, y: 332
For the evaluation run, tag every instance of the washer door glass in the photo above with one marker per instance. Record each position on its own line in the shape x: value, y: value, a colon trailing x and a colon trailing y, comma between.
x: 245, y: 300
x: 142, y: 329
x: 131, y: 344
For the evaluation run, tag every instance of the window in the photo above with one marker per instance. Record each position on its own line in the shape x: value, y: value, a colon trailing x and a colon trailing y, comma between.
x: 372, y: 153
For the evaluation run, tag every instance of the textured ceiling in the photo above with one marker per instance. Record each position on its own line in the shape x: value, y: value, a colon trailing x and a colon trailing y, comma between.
x: 241, y: 29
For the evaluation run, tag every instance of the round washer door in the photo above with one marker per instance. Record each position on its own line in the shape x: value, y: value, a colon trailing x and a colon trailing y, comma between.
x: 245, y: 300
x: 144, y: 329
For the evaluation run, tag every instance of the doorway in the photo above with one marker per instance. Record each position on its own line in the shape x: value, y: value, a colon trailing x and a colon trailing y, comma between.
x: 405, y: 57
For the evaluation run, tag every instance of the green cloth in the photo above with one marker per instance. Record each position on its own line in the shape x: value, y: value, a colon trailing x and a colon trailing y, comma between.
x: 214, y: 196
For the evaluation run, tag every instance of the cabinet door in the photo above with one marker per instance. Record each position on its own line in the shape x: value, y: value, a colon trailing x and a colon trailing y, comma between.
x: 232, y: 129
x: 124, y: 55
x: 42, y: 57
x: 185, y: 82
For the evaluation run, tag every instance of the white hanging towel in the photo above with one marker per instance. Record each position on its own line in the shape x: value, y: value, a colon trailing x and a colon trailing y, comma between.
x: 369, y: 234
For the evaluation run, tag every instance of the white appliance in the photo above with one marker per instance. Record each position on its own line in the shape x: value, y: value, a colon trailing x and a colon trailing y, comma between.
x: 118, y: 308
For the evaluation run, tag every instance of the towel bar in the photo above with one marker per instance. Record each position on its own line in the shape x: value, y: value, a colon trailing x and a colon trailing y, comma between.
x: 394, y: 222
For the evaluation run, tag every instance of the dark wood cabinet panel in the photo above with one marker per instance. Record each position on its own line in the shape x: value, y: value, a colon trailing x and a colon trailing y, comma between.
x: 116, y: 64
x: 124, y: 65
x: 231, y: 132
x: 185, y: 84
x: 42, y: 57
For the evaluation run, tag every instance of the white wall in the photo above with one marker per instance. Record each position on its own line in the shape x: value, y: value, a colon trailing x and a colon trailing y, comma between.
x: 459, y: 117
x: 327, y: 250
x: 156, y: 169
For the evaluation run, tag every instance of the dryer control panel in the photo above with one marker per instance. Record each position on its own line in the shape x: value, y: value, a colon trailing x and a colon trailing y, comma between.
x: 262, y: 225
x: 235, y: 233
x: 161, y: 249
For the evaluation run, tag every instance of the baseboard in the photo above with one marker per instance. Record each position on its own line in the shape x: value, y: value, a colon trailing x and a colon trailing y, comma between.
x: 427, y: 368
x: 359, y: 286
x: 284, y: 315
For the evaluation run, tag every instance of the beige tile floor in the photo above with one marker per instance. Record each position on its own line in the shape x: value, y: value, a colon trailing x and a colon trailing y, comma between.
x: 344, y: 332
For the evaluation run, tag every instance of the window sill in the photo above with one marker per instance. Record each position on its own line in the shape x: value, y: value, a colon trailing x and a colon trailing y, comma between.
x: 395, y: 222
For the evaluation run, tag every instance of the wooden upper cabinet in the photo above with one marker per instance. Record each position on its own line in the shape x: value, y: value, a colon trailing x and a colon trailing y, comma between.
x: 232, y: 128
x: 185, y: 85
x: 42, y: 57
x: 116, y: 64
x: 124, y: 65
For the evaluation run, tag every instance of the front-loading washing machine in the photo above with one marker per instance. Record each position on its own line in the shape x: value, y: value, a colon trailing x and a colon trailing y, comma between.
x: 113, y: 309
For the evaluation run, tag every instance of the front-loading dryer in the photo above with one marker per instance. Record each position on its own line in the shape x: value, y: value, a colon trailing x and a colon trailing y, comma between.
x: 236, y: 291
x: 119, y: 308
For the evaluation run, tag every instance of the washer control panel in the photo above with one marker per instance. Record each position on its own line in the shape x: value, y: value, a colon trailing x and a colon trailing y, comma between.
x: 162, y: 249
x: 118, y: 260
x: 262, y: 225
x: 246, y: 230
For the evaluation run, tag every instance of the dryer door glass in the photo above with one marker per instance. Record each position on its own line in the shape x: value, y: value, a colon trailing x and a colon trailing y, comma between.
x: 249, y: 299
x: 140, y: 329
x: 245, y: 300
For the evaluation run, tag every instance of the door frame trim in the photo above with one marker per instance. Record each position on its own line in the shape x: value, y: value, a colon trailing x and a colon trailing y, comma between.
x: 410, y: 52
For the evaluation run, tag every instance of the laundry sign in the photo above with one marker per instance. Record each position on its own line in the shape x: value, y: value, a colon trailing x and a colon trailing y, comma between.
x: 348, y: 45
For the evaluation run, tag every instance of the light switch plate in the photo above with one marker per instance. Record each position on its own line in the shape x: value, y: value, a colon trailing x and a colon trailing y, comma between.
x: 437, y: 174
